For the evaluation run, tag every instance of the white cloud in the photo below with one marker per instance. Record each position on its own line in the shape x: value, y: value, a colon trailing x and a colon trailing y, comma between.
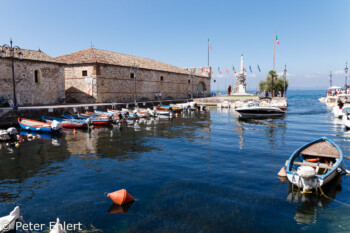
x: 339, y: 72
x: 280, y: 74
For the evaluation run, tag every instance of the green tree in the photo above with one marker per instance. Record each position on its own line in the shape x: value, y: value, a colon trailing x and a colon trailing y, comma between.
x: 278, y: 83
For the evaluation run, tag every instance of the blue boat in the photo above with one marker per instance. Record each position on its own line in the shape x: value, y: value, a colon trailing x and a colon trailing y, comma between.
x: 74, y: 117
x: 67, y: 123
x: 38, y: 126
x: 94, y: 120
x: 314, y: 164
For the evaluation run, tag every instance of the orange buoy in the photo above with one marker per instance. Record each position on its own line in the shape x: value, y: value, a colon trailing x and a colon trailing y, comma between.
x: 120, y: 197
x: 282, y: 172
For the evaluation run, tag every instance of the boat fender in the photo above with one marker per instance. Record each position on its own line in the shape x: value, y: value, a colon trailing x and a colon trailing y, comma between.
x: 306, y: 172
x: 282, y: 172
x: 55, y: 125
x: 120, y: 197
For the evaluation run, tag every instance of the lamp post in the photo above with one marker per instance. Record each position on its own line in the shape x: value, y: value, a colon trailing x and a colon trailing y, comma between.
x: 346, y: 77
x: 330, y: 79
x: 191, y: 76
x: 284, y: 81
x: 12, y: 50
x: 134, y: 70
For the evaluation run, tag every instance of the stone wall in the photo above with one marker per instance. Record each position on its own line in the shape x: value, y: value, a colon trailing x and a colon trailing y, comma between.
x: 79, y: 88
x: 114, y: 84
x: 49, y: 88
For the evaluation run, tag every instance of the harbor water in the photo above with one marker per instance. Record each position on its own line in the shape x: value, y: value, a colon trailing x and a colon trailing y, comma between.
x: 202, y: 172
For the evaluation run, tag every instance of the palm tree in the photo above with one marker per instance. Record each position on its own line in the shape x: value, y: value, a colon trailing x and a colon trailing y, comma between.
x: 272, y: 84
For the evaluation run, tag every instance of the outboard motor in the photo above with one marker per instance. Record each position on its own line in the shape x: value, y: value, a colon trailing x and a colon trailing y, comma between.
x: 12, y: 131
x: 55, y: 125
x: 88, y: 121
x: 307, y: 176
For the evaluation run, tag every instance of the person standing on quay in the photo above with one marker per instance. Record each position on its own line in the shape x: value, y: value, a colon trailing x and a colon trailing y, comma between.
x: 160, y: 96
x: 155, y: 95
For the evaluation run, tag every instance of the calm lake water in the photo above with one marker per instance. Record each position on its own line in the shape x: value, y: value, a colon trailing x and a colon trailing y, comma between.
x: 205, y: 172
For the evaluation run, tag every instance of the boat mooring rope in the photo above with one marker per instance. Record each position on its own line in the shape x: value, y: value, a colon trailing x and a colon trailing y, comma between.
x: 322, y: 193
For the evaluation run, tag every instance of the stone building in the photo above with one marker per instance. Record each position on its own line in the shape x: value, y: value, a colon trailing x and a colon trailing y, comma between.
x: 98, y: 76
x: 39, y: 78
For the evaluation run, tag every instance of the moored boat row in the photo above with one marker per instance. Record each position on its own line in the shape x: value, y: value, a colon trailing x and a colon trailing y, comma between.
x: 52, y: 124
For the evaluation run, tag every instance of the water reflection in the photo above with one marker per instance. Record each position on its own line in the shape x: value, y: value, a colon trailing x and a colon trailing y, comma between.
x: 119, y: 209
x: 41, y: 154
x: 273, y: 128
x: 310, y: 204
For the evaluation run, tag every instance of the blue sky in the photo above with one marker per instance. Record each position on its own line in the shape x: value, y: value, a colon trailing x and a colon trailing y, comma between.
x: 314, y: 35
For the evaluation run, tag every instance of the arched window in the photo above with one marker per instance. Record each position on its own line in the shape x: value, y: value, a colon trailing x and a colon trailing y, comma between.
x: 37, y: 76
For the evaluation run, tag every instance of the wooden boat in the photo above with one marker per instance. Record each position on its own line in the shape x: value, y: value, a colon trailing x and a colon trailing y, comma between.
x: 39, y: 126
x: 259, y: 112
x: 8, y: 222
x: 163, y: 113
x: 57, y: 228
x: 95, y: 115
x: 103, y: 113
x: 97, y: 121
x: 143, y: 112
x: 314, y: 164
x: 67, y: 123
x: 167, y: 107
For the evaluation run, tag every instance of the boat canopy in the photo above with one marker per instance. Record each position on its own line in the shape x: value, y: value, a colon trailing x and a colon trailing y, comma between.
x: 334, y: 87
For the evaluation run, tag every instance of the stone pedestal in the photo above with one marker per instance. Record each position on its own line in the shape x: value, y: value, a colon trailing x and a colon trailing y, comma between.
x: 240, y: 87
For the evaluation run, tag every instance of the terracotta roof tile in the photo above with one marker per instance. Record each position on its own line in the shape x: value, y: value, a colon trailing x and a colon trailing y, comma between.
x: 33, y: 55
x: 107, y: 57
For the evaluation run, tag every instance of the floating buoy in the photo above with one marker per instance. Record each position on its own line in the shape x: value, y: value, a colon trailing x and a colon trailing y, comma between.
x: 282, y: 172
x: 74, y: 131
x: 120, y: 197
x: 17, y: 144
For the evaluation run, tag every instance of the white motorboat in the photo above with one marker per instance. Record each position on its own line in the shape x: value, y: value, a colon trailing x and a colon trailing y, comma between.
x: 8, y: 222
x: 277, y: 102
x: 342, y: 102
x: 314, y: 164
x: 346, y: 117
x: 259, y: 112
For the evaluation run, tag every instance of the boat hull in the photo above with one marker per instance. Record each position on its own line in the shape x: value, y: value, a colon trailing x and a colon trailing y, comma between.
x: 167, y: 108
x: 259, y: 112
x: 317, y: 180
x: 40, y: 127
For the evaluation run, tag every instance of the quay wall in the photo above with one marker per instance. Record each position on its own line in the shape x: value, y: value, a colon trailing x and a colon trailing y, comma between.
x: 47, y: 88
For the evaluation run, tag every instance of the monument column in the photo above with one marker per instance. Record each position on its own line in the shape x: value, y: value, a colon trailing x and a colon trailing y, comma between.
x: 240, y: 87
